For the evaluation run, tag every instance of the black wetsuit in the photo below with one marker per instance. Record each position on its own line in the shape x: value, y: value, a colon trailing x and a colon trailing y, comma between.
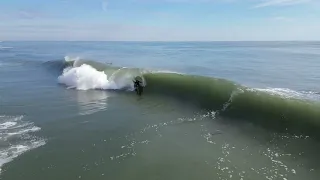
x: 138, y: 87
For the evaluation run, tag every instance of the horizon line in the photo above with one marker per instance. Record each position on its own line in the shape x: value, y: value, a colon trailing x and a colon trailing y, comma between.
x: 159, y: 41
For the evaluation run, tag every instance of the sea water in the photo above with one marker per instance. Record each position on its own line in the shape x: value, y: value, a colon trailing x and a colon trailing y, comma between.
x: 211, y: 110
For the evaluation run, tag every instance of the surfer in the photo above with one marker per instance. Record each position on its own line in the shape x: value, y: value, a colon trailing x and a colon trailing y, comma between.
x: 138, y: 86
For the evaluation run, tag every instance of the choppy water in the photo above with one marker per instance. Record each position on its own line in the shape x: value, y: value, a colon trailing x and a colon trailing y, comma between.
x: 210, y: 110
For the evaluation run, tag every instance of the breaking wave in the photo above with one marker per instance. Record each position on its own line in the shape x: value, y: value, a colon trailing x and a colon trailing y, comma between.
x: 276, y: 108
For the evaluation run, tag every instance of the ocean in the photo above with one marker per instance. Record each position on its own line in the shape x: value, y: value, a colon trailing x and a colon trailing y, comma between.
x: 209, y: 110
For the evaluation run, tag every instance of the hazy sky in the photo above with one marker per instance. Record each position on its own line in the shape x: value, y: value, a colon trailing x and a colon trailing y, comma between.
x: 160, y: 20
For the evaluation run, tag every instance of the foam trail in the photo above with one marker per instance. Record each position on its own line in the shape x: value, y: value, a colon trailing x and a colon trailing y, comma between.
x: 32, y: 129
x: 8, y: 154
x: 7, y: 125
x: 7, y: 122
x: 14, y: 135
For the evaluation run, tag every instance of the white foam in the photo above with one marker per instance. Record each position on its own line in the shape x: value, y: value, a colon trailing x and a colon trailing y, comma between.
x: 24, y: 131
x: 69, y: 58
x: 281, y: 91
x: 288, y: 93
x: 7, y: 125
x: 166, y: 71
x: 20, y: 141
x: 7, y: 122
x: 4, y: 119
x: 86, y: 77
x: 8, y: 154
x: 11, y: 126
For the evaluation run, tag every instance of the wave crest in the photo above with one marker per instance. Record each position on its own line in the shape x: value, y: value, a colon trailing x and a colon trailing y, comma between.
x: 86, y: 77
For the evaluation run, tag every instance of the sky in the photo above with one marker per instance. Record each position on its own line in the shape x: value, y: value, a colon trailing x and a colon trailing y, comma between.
x: 159, y: 20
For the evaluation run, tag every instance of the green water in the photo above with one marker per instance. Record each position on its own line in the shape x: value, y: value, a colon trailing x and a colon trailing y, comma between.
x: 159, y: 138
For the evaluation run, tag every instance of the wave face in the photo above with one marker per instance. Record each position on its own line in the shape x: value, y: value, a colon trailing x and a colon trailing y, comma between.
x: 278, y: 109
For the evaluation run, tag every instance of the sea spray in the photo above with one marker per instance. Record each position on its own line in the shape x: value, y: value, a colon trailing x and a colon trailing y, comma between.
x: 86, y: 77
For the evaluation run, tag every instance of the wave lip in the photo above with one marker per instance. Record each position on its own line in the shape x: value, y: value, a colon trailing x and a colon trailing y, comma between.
x: 71, y: 59
x: 289, y: 94
x: 16, y: 139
